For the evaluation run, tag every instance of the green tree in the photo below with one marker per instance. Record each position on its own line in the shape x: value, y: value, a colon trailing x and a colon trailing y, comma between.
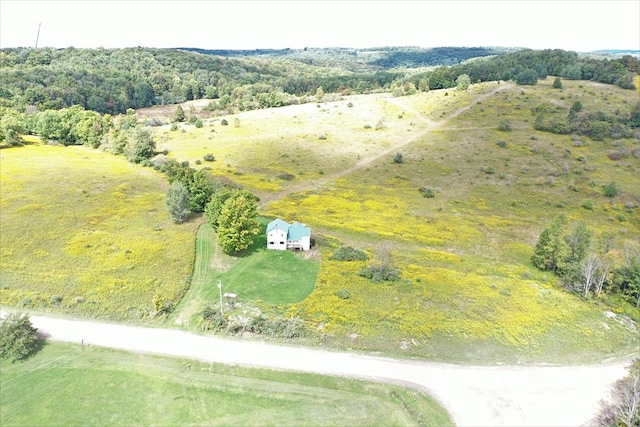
x: 551, y: 250
x: 178, y: 114
x: 213, y: 209
x: 463, y: 82
x: 237, y: 224
x: 527, y: 77
x: 12, y: 127
x: 141, y: 147
x: 18, y: 337
x: 557, y: 83
x: 201, y: 189
x: 560, y: 249
x: 177, y: 201
x: 319, y: 94
x: 578, y: 242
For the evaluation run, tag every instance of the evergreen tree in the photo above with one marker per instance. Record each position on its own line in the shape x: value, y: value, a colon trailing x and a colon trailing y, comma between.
x: 551, y: 250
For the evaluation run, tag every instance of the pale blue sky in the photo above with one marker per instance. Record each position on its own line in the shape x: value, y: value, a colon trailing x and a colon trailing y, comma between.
x: 579, y: 25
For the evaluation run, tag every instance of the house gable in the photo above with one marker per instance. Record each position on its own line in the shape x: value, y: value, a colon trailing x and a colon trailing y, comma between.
x: 281, y: 235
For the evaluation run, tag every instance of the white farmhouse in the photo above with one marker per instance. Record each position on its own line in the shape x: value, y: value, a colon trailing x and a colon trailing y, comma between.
x: 282, y: 236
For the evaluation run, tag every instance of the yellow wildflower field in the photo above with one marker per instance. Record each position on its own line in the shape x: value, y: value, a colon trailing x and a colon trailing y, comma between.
x: 88, y: 232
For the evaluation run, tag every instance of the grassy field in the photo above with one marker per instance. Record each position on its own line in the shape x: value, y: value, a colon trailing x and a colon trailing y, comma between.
x: 87, y: 232
x: 464, y: 255
x: 468, y: 291
x: 68, y: 385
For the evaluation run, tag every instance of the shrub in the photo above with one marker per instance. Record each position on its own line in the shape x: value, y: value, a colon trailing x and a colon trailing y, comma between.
x: 199, y: 123
x: 367, y: 126
x: 211, y: 319
x: 174, y: 127
x: 623, y: 408
x: 428, y: 192
x: 279, y: 327
x: 18, y: 337
x: 209, y: 157
x: 489, y: 170
x: 380, y: 273
x: 587, y: 204
x: 504, y: 125
x: 286, y: 176
x: 348, y: 253
x: 398, y: 158
x: 502, y: 144
x: 611, y: 190
x: 224, y: 122
x: 343, y: 294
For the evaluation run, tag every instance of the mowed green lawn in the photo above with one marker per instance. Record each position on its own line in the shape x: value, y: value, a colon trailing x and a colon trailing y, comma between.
x: 65, y: 385
x: 273, y: 277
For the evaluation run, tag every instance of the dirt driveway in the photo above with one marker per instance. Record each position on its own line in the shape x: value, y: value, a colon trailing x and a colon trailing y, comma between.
x: 473, y: 395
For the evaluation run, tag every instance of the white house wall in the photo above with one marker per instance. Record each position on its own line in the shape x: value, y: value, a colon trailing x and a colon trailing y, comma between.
x: 277, y: 239
x: 306, y: 243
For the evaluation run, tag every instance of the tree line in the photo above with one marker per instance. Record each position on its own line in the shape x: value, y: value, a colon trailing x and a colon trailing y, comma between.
x: 111, y: 81
x: 586, y: 265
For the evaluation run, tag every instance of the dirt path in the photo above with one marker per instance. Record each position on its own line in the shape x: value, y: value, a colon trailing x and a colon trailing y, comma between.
x: 266, y: 199
x: 474, y: 396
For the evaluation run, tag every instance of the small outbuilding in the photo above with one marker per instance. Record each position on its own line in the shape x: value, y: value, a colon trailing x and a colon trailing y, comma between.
x: 282, y: 236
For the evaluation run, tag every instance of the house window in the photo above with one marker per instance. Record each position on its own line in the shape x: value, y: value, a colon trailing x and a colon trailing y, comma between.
x: 282, y: 243
x: 272, y: 243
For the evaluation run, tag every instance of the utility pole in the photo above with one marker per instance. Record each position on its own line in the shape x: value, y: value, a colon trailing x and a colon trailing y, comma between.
x: 220, y: 288
x: 38, y: 36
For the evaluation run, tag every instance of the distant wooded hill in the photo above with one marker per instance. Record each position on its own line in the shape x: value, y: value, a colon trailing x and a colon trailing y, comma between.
x: 370, y: 59
x: 114, y: 80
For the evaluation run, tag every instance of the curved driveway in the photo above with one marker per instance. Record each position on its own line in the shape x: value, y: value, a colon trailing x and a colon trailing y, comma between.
x: 473, y: 395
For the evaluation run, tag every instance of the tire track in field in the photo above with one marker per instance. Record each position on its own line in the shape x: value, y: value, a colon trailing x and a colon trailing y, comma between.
x: 266, y: 199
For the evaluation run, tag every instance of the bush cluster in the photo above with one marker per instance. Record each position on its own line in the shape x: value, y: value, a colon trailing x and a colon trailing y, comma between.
x: 379, y: 274
x: 348, y: 253
x: 279, y: 327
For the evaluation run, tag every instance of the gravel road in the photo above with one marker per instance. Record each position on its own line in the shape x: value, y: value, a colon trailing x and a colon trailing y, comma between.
x: 473, y: 395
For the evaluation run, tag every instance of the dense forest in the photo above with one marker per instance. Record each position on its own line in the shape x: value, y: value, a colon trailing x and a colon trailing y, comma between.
x: 115, y: 80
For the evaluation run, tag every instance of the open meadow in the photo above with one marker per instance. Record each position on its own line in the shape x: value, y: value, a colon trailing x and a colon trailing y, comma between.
x: 458, y: 217
x: 68, y: 384
x: 87, y: 232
